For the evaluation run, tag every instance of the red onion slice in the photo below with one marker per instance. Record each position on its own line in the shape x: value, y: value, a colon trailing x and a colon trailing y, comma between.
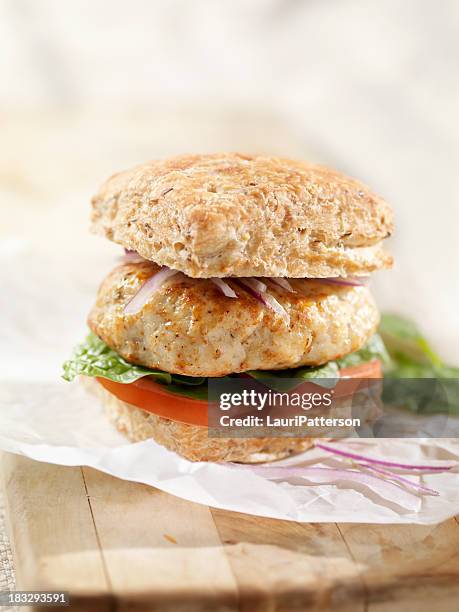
x: 148, y: 289
x: 241, y: 282
x: 132, y: 257
x: 404, y: 481
x: 283, y: 283
x: 255, y: 284
x: 394, y: 464
x: 224, y: 287
x: 322, y: 475
x: 275, y: 305
x: 345, y: 282
x: 263, y: 297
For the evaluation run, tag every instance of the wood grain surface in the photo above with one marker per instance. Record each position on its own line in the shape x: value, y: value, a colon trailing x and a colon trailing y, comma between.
x: 118, y: 545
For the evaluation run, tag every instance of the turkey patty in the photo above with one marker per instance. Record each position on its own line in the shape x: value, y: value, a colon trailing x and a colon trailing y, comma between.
x: 189, y: 327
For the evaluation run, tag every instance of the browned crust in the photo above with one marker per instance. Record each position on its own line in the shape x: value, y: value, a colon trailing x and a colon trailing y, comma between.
x: 189, y: 327
x: 241, y: 215
x: 192, y: 441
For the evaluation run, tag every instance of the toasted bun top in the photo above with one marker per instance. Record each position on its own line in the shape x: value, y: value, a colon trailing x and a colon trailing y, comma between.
x: 230, y: 214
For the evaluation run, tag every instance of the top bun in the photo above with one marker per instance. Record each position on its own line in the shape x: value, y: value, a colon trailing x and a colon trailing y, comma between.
x: 229, y: 214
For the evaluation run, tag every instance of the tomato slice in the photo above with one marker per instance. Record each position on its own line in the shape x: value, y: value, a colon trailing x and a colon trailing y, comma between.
x: 370, y: 369
x: 154, y: 397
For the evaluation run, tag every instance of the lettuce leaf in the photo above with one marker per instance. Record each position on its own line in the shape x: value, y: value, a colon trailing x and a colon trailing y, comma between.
x: 325, y: 375
x: 403, y: 350
x: 412, y: 357
x: 329, y: 370
x: 94, y: 358
x: 373, y: 349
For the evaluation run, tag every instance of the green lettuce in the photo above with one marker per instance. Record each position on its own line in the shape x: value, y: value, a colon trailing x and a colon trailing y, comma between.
x: 283, y: 380
x: 326, y: 375
x: 94, y: 358
x: 400, y: 346
x: 412, y: 357
x: 373, y: 349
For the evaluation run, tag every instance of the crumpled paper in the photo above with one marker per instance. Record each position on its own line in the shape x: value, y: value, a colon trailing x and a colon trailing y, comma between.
x: 44, y: 303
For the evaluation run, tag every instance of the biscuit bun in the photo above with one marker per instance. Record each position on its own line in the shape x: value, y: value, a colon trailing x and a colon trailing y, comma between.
x: 242, y: 215
x: 192, y: 441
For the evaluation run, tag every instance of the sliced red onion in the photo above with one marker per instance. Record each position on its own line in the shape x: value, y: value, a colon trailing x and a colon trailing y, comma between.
x: 132, y: 257
x: 321, y: 475
x: 394, y: 464
x: 244, y: 285
x: 275, y: 305
x: 224, y: 287
x: 255, y: 284
x: 345, y: 282
x: 263, y: 297
x: 283, y: 283
x: 148, y: 289
x: 404, y: 481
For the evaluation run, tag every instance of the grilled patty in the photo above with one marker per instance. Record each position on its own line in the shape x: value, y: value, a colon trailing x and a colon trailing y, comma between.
x: 189, y: 327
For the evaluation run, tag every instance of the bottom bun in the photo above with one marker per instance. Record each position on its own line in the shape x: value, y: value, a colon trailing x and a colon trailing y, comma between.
x: 192, y: 441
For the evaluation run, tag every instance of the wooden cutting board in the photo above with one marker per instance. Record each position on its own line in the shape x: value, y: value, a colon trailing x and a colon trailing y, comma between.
x: 121, y: 546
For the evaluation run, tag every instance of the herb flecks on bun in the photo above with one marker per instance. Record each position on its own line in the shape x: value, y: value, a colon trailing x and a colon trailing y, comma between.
x: 229, y: 214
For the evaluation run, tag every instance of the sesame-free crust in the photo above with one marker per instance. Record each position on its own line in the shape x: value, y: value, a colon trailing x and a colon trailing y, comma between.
x: 229, y: 214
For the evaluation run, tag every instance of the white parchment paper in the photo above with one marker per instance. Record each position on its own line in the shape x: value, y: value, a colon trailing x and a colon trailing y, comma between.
x: 44, y: 303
